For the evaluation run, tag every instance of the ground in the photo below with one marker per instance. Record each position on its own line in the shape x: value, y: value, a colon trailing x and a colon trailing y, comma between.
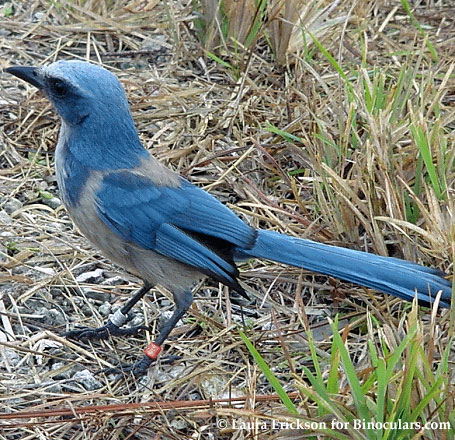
x: 322, y: 136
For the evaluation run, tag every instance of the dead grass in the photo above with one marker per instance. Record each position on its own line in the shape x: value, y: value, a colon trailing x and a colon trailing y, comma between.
x: 341, y: 180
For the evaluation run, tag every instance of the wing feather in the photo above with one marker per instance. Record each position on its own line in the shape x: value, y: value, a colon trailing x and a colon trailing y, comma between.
x: 184, y: 223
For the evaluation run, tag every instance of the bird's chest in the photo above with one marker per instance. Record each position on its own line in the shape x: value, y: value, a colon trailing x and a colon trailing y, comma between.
x: 78, y: 185
x: 72, y: 176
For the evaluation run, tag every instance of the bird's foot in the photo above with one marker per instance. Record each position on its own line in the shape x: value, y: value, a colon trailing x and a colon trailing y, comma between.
x: 104, y: 332
x: 138, y: 369
x: 111, y: 328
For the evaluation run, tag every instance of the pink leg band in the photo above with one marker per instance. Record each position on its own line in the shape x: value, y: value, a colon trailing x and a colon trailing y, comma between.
x: 152, y: 350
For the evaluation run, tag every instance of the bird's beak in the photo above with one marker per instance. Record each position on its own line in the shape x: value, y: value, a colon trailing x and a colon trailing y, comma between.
x: 30, y: 74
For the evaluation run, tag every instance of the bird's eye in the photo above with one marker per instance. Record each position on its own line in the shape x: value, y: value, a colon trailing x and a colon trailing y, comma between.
x: 58, y: 87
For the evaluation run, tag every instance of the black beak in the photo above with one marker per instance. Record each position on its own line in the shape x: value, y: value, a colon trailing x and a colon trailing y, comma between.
x: 30, y: 74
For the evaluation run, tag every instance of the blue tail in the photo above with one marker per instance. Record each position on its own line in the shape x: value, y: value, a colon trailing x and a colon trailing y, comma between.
x: 390, y: 275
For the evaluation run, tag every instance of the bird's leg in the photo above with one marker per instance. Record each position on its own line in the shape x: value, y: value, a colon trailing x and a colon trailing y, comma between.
x: 112, y: 326
x: 182, y: 304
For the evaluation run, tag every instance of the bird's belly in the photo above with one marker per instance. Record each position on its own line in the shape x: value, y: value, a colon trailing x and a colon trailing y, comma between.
x: 145, y: 263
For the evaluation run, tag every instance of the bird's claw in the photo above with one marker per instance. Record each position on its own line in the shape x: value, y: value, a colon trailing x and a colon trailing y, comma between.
x: 138, y: 369
x: 104, y: 332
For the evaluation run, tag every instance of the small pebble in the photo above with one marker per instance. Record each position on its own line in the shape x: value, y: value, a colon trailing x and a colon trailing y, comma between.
x: 53, y: 202
x: 105, y: 309
x: 94, y: 277
x: 87, y: 380
x: 5, y: 219
x: 12, y: 205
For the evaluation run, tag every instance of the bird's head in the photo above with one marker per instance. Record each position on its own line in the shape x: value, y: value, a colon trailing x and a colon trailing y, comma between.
x: 77, y: 89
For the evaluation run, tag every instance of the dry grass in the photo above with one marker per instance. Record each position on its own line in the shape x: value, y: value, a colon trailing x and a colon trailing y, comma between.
x: 340, y: 174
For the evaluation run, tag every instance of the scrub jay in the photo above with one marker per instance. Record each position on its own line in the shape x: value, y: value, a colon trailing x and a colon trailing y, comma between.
x: 162, y: 228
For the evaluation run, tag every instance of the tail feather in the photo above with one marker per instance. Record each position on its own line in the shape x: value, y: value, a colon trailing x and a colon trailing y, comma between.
x: 397, y: 277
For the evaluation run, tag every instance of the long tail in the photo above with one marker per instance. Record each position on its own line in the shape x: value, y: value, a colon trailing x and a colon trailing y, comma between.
x: 390, y: 275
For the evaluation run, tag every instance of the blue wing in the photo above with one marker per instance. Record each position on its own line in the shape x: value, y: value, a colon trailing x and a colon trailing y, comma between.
x: 184, y: 223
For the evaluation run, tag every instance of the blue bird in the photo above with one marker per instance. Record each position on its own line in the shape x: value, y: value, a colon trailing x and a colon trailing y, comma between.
x: 162, y: 228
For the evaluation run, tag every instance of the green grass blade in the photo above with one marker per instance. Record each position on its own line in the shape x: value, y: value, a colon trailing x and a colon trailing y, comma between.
x: 284, y: 134
x: 424, y: 148
x: 269, y: 375
x: 218, y: 60
x: 359, y: 398
x: 414, y: 21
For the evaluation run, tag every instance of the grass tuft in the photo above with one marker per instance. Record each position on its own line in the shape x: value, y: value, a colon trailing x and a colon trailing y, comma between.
x: 329, y: 120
